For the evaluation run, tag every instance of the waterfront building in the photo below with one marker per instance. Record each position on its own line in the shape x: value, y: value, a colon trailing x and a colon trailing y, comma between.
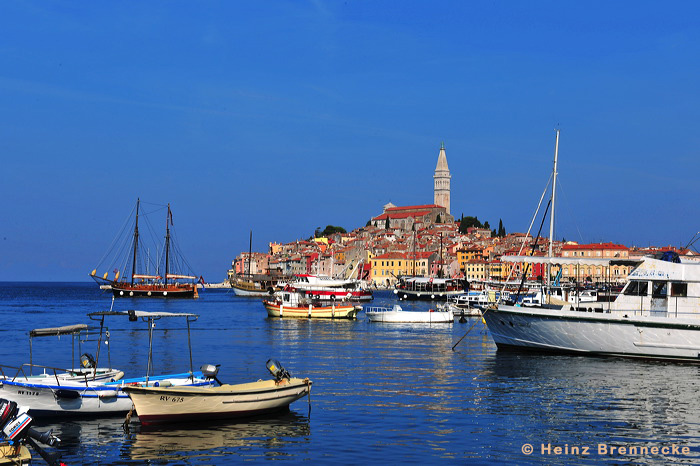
x: 441, y: 180
x: 617, y: 273
x: 386, y: 268
x: 475, y: 270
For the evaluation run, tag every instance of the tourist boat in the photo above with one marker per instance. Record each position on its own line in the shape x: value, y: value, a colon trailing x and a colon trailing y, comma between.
x: 396, y: 314
x: 165, y: 283
x: 294, y: 304
x: 51, y: 396
x: 428, y: 288
x: 255, y: 286
x: 155, y: 405
x: 656, y: 316
x: 325, y: 288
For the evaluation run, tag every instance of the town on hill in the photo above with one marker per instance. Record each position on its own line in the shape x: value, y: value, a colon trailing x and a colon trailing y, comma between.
x: 426, y: 240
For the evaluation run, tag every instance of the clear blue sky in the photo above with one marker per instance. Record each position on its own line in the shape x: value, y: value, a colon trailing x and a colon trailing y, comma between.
x: 283, y: 116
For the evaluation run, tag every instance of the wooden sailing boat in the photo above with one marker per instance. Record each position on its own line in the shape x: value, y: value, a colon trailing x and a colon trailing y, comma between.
x: 136, y: 283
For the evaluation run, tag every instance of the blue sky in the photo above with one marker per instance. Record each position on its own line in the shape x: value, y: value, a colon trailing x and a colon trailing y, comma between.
x: 283, y: 116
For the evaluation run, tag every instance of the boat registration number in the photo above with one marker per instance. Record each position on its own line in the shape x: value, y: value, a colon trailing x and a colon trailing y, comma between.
x: 172, y: 399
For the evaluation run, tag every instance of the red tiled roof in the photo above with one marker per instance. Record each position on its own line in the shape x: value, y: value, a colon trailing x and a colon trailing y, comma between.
x: 412, y: 207
x: 401, y: 215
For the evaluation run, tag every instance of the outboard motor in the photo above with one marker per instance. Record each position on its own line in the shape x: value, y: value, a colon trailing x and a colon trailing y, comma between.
x: 15, y: 427
x: 210, y: 371
x: 87, y: 361
x: 277, y: 370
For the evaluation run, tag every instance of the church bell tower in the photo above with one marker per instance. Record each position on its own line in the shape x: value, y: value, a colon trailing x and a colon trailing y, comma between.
x: 442, y: 180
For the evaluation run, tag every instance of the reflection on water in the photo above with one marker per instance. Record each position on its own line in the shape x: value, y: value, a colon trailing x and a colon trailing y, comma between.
x: 266, y: 437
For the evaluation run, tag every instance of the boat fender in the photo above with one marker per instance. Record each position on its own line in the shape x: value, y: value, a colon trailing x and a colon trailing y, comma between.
x: 163, y: 383
x: 108, y: 394
x: 66, y: 394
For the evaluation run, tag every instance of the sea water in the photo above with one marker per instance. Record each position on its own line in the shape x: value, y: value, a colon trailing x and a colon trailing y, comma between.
x: 382, y: 393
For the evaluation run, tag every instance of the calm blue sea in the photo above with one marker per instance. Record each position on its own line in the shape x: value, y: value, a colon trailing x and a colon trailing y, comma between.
x: 382, y: 393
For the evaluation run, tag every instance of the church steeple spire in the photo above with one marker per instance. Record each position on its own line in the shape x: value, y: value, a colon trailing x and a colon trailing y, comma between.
x: 442, y: 180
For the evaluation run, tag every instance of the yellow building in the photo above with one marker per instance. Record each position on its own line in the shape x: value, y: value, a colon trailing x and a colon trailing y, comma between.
x: 475, y: 270
x: 465, y: 255
x: 386, y: 268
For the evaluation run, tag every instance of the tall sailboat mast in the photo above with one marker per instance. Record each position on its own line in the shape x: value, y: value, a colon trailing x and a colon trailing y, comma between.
x: 136, y: 241
x: 554, y: 193
x: 168, y: 220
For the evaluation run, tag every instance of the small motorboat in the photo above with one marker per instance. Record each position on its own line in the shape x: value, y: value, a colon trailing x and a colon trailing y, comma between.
x: 156, y: 405
x: 398, y: 315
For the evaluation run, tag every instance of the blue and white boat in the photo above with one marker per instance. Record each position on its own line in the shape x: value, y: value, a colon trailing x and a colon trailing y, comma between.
x: 65, y: 393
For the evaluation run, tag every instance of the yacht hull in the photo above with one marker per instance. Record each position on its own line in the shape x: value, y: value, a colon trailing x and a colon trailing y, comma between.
x: 617, y: 333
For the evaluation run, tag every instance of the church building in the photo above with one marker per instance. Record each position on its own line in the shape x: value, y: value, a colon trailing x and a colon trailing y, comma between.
x: 420, y: 216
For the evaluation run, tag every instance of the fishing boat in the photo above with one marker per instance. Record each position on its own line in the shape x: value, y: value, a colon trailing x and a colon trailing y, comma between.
x: 155, y: 405
x: 294, y: 304
x: 137, y: 281
x: 656, y: 316
x: 396, y: 314
x: 428, y: 288
x: 51, y: 395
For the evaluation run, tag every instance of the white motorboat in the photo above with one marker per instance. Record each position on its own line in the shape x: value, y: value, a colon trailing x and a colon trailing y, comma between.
x: 177, y: 404
x: 325, y: 288
x: 396, y: 314
x: 49, y: 395
x: 657, y: 315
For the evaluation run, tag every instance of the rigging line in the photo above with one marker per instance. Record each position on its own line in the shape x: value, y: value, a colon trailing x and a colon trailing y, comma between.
x: 117, y: 238
x: 522, y: 245
x: 564, y: 201
x: 176, y: 247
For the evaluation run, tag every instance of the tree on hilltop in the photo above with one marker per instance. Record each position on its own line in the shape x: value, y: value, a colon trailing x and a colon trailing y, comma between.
x: 469, y: 222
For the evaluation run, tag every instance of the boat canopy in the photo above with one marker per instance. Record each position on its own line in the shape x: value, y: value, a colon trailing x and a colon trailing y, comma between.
x: 54, y: 331
x: 429, y: 280
x: 569, y: 260
x: 143, y: 314
x: 180, y: 277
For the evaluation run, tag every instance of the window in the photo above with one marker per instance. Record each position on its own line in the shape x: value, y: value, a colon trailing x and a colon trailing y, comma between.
x: 679, y: 289
x: 658, y: 290
x: 635, y: 288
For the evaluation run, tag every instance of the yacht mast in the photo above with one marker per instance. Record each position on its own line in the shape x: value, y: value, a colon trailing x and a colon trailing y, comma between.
x: 250, y: 252
x: 554, y: 192
x: 136, y: 241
